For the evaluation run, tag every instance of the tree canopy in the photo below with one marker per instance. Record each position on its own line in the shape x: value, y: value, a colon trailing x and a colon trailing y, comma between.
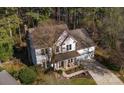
x: 104, y: 24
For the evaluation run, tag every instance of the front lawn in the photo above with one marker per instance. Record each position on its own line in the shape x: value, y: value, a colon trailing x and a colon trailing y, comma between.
x: 53, y: 78
x: 82, y: 81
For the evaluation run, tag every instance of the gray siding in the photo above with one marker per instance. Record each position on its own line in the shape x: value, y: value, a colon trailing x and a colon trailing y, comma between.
x: 31, y: 50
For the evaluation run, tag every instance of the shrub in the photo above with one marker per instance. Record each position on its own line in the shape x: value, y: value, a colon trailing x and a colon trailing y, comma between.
x: 33, y: 68
x: 27, y: 75
x: 15, y: 74
x: 110, y: 65
x: 81, y: 67
x: 59, y: 71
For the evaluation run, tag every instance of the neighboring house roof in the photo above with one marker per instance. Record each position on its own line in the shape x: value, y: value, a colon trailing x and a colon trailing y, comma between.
x: 82, y: 37
x: 67, y: 55
x: 7, y: 79
x: 46, y: 36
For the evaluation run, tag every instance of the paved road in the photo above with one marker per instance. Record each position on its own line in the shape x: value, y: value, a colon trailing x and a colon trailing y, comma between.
x: 101, y: 74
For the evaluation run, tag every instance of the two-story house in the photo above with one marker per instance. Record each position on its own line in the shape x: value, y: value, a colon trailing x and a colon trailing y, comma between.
x: 56, y: 46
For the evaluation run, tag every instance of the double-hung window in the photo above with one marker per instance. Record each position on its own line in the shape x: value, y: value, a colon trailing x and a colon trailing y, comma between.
x: 69, y: 47
x: 44, y: 51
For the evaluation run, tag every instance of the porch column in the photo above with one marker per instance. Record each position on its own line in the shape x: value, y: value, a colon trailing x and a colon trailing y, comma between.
x: 54, y: 66
x: 66, y: 64
x: 45, y: 65
x: 78, y: 63
x: 72, y: 63
x: 57, y: 65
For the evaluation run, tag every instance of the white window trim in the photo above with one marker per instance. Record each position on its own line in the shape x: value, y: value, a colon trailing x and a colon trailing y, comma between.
x: 58, y: 49
x: 69, y: 47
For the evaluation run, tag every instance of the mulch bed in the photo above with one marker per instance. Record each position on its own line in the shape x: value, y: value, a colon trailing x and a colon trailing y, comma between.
x: 83, y: 75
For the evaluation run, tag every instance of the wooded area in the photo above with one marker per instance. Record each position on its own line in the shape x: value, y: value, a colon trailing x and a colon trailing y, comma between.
x: 105, y: 26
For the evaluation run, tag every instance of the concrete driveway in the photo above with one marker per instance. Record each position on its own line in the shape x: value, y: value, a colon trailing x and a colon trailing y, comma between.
x: 101, y: 74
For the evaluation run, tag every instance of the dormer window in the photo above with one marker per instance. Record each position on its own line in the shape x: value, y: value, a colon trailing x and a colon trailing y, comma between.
x: 69, y: 47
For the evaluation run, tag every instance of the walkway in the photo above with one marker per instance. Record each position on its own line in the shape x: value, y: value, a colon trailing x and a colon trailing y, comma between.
x: 101, y: 74
x: 73, y: 74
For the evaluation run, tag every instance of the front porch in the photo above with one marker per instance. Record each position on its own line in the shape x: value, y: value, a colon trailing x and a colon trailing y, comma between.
x: 67, y: 64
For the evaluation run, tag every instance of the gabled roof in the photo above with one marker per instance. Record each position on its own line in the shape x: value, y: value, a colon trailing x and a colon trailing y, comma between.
x: 7, y: 79
x: 46, y: 36
x: 82, y: 37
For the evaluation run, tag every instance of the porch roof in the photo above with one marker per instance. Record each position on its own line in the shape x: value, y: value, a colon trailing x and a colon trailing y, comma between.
x: 67, y: 55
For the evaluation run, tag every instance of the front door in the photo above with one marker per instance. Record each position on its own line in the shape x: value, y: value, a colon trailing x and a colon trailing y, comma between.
x: 62, y: 64
x: 44, y: 65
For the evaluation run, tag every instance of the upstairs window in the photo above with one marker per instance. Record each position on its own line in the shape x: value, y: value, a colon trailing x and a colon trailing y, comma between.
x: 69, y: 47
x: 42, y: 51
x: 57, y: 48
x: 46, y: 51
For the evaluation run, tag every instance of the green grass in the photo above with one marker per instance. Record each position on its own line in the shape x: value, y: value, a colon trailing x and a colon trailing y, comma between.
x: 82, y: 81
x: 76, y: 81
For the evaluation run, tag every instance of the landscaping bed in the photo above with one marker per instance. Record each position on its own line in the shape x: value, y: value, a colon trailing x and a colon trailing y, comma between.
x: 74, y: 69
x: 84, y: 75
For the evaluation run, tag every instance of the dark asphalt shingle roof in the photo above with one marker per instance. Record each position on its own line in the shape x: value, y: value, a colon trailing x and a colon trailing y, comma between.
x: 46, y: 36
x: 82, y: 37
x: 67, y: 55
